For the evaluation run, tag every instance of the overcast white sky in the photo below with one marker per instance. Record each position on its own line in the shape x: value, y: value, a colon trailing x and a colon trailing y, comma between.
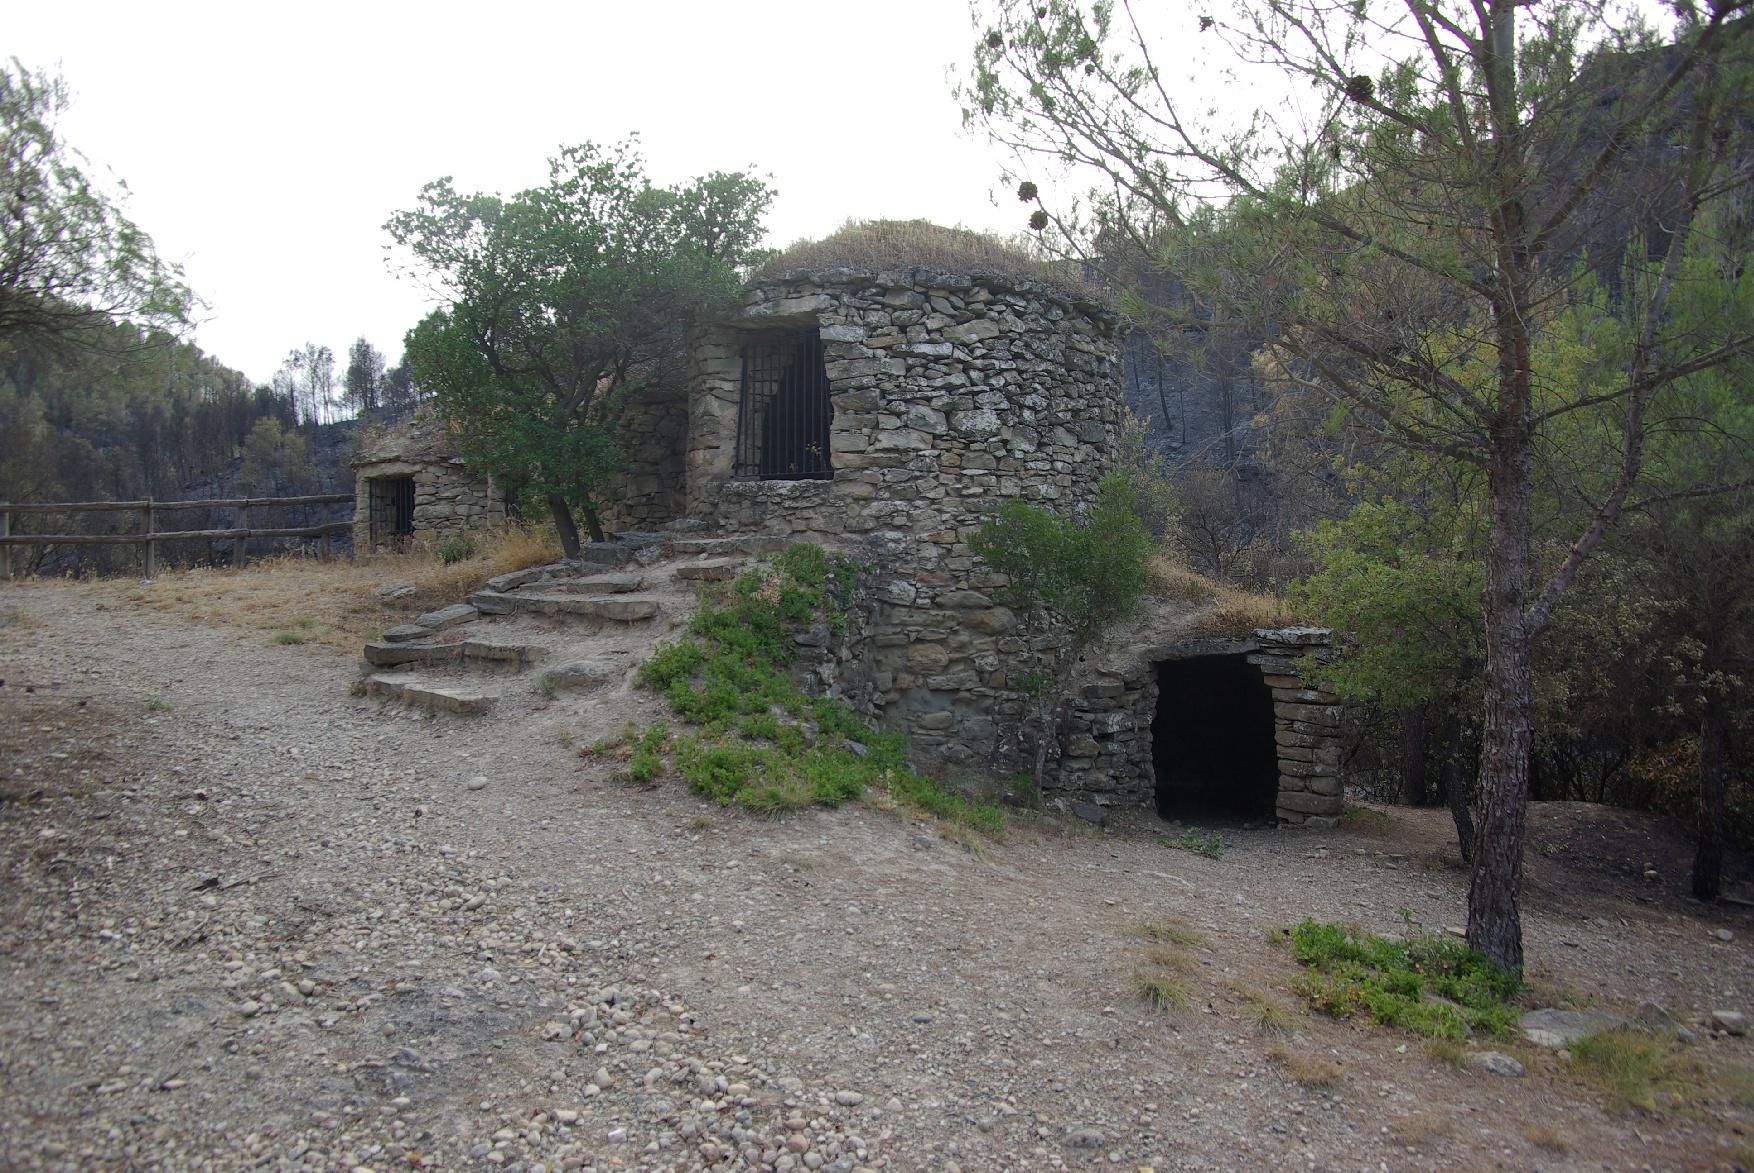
x: 265, y: 145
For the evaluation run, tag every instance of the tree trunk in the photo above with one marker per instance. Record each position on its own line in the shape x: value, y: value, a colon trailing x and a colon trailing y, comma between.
x: 1501, y: 802
x: 1714, y: 756
x: 1455, y: 789
x: 564, y: 525
x: 1414, y: 727
x: 593, y: 523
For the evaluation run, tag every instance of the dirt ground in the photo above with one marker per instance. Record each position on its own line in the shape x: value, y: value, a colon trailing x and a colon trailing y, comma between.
x: 250, y: 920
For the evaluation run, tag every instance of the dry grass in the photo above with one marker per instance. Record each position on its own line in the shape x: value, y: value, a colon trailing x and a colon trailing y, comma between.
x: 1367, y: 820
x: 1421, y: 1127
x: 1546, y: 1136
x: 1269, y: 1015
x: 873, y: 246
x: 1159, y: 990
x: 1166, y: 932
x: 335, y: 603
x: 1234, y: 611
x: 1306, y: 1067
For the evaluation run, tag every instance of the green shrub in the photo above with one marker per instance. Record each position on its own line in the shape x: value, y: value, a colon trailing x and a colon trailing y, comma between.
x: 1431, y: 985
x: 647, y: 760
x: 454, y: 548
x: 728, y: 677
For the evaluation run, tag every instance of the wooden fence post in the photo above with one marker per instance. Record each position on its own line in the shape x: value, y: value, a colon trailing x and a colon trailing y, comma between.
x: 5, y: 550
x: 151, y: 546
x: 239, y: 544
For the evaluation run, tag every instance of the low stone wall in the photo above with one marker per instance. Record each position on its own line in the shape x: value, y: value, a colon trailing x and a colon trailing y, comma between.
x: 1105, y: 750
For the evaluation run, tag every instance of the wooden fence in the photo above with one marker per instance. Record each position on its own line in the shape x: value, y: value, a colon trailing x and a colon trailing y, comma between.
x: 149, y: 537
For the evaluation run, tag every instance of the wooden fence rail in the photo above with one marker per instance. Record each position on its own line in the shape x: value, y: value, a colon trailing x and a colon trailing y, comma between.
x: 149, y: 537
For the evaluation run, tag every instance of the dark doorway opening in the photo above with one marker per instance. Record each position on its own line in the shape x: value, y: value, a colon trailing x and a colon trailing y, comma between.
x: 785, y: 409
x: 392, y: 506
x: 1212, y: 740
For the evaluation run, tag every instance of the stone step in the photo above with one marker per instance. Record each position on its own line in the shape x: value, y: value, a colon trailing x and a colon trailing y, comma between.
x: 391, y: 655
x: 709, y: 570
x: 512, y: 580
x: 594, y: 584
x: 747, y: 544
x: 403, y: 632
x: 513, y: 654
x: 443, y: 696
x: 614, y: 608
x: 583, y: 674
x: 448, y: 617
x: 383, y: 654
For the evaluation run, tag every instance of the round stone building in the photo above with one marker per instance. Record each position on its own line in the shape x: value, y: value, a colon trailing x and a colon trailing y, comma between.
x: 884, y: 402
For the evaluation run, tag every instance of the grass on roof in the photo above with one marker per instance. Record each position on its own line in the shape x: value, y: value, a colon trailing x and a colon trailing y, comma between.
x: 878, y: 246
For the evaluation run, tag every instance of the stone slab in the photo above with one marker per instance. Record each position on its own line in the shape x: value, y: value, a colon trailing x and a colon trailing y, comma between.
x: 492, y: 603
x: 1561, y: 1028
x: 709, y: 570
x: 595, y: 584
x: 517, y: 578
x: 503, y: 653
x: 450, y: 616
x: 389, y: 655
x: 749, y: 544
x: 465, y: 700
x: 614, y: 609
x: 403, y: 632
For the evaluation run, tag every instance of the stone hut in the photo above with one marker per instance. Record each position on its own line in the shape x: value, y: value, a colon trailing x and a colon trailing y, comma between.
x: 883, y: 398
x: 887, y: 406
x: 1208, y: 724
x: 410, y: 484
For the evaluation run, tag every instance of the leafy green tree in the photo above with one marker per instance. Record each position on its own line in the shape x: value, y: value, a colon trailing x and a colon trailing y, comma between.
x: 70, y: 262
x: 1072, y: 579
x: 1459, y: 157
x: 563, y: 301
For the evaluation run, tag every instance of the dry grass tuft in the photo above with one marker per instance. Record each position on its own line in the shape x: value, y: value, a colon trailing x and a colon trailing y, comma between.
x: 1306, y: 1067
x: 1270, y: 1016
x: 1546, y: 1136
x: 1159, y: 990
x: 1234, y: 611
x: 1368, y: 820
x: 874, y: 246
x: 1420, y: 1127
x: 1166, y: 932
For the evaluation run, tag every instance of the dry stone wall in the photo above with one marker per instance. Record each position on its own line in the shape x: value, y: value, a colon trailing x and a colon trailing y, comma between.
x: 447, y: 499
x: 653, y: 433
x: 1105, y: 752
x: 950, y: 394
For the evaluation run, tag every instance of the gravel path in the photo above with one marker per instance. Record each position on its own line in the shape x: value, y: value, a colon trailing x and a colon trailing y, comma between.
x: 251, y: 921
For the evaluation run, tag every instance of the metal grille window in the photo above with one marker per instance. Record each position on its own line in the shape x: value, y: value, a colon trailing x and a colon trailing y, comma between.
x: 783, y: 417
x: 392, y: 506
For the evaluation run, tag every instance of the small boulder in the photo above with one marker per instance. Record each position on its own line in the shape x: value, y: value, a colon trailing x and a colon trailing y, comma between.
x: 1730, y: 1022
x: 1494, y: 1063
x: 1561, y: 1028
x: 1090, y: 812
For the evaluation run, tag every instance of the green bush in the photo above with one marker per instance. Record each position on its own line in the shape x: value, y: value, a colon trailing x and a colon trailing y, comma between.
x: 454, y: 548
x: 1431, y: 985
x: 728, y: 677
